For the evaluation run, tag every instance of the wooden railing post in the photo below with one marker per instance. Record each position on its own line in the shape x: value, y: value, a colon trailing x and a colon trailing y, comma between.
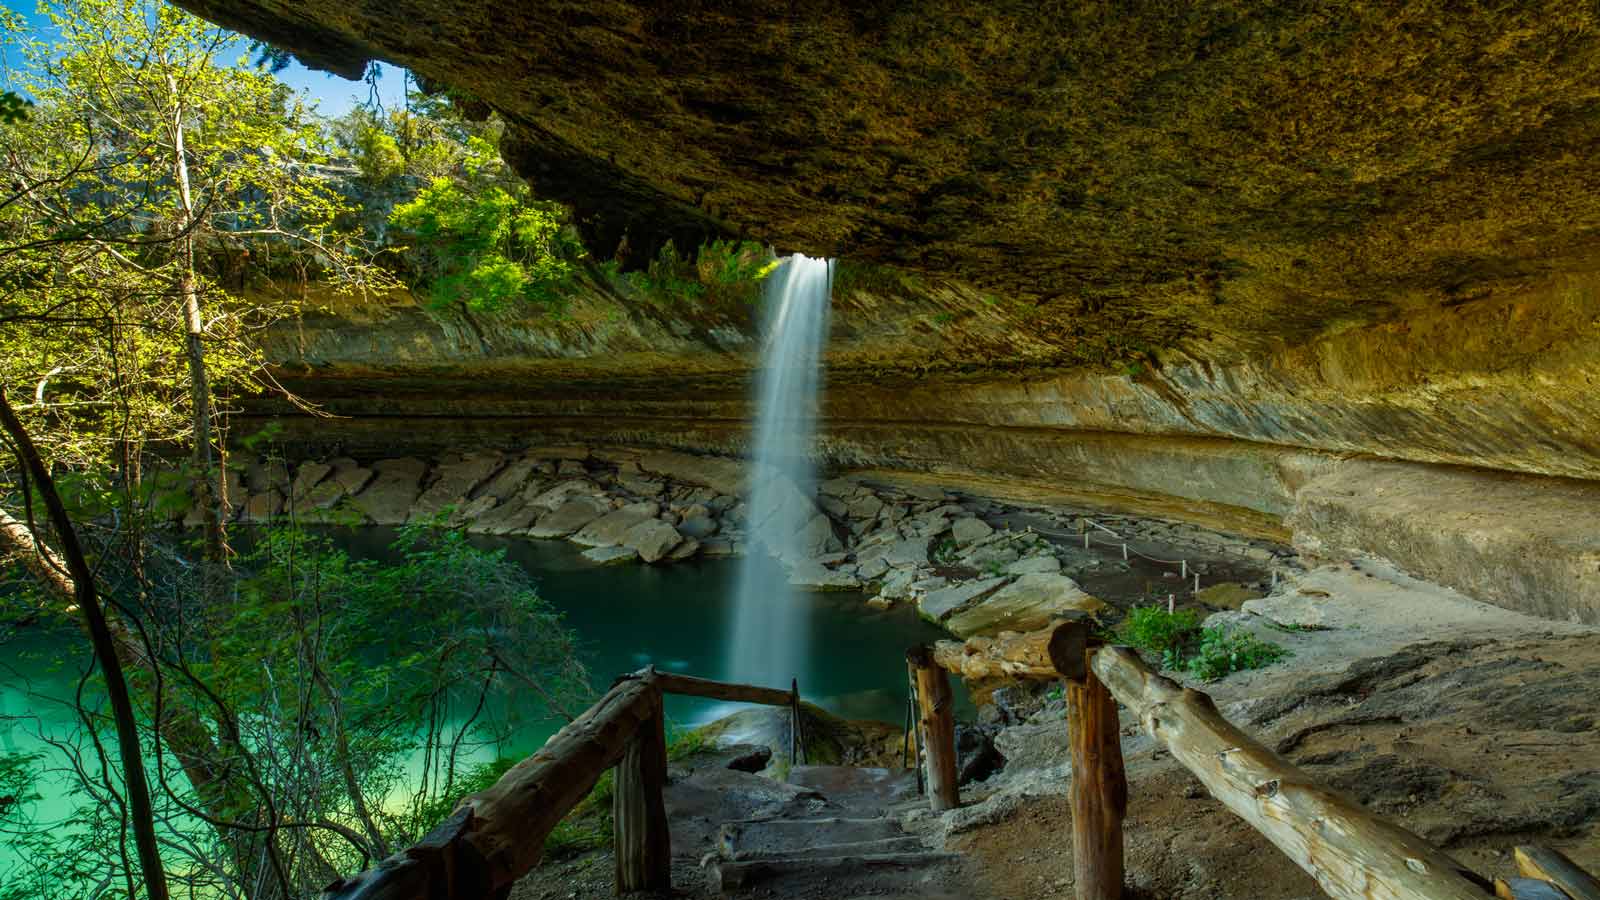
x: 643, y: 842
x: 1099, y: 784
x: 938, y: 724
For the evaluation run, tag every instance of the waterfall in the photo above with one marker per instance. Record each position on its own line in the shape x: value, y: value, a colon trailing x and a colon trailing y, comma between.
x: 771, y: 625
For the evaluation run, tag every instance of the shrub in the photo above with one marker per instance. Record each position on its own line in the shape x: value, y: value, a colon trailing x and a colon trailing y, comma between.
x: 1223, y: 652
x: 1184, y: 646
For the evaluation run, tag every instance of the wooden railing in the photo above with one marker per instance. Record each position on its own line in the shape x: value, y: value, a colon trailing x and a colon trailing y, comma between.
x: 1352, y: 853
x: 496, y: 836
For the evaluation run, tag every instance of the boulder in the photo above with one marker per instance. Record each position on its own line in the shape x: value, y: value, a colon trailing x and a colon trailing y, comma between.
x: 873, y: 568
x: 833, y: 506
x: 1034, y: 565
x: 388, y: 497
x: 814, y: 576
x: 554, y: 497
x: 308, y: 476
x: 612, y: 528
x: 1026, y: 604
x: 268, y: 475
x: 720, y: 473
x: 866, y: 506
x: 568, y: 517
x: 940, y: 604
x: 262, y: 508
x: 452, y: 483
x: 907, y: 553
x: 839, y: 487
x: 512, y: 516
x: 689, y: 547
x: 816, y: 537
x: 652, y: 538
x: 467, y: 513
x: 640, y: 486
x: 511, y: 480
x: 965, y: 531
x: 606, y: 556
x: 697, y: 526
x: 320, y: 498
x: 351, y: 475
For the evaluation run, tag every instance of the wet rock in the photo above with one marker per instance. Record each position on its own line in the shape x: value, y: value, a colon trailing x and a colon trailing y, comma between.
x: 941, y: 604
x: 652, y: 538
x: 272, y: 474
x: 698, y: 526
x: 1025, y: 604
x: 754, y: 760
x: 687, y: 548
x: 873, y: 568
x: 816, y: 537
x: 320, y: 499
x: 569, y: 517
x: 610, y: 555
x: 813, y: 575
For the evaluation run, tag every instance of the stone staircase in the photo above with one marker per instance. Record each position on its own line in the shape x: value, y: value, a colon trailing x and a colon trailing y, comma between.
x: 849, y: 841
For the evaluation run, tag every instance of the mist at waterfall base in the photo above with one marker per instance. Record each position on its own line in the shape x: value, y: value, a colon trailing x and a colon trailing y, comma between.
x: 768, y: 641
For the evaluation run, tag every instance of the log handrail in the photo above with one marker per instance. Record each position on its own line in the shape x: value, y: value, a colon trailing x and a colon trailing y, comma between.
x: 1352, y: 853
x: 497, y: 835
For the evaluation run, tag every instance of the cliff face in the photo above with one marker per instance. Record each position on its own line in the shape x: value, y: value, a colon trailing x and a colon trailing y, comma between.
x: 1210, y: 260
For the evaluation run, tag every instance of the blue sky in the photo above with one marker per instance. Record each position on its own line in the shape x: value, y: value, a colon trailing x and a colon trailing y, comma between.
x: 333, y: 95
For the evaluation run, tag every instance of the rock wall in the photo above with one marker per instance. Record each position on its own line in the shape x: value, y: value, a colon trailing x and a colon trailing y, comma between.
x: 1276, y: 444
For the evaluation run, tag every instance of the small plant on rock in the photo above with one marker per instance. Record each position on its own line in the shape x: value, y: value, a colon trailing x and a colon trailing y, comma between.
x: 1185, y: 646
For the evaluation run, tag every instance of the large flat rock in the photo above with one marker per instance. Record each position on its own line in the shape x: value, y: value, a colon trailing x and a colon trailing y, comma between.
x: 939, y: 605
x: 1029, y: 602
x: 569, y: 517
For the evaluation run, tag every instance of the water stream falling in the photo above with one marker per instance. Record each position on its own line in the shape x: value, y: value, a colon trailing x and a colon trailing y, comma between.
x: 771, y: 626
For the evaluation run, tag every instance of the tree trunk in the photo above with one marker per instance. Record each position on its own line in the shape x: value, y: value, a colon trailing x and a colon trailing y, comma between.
x: 78, y: 573
x: 937, y: 720
x: 639, y: 816
x: 209, y: 480
x: 1099, y: 788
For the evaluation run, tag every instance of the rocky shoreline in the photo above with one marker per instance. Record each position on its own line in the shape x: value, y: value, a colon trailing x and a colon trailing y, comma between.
x: 969, y: 564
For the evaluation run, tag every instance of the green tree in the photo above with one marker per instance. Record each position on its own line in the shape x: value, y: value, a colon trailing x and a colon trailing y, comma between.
x: 157, y: 173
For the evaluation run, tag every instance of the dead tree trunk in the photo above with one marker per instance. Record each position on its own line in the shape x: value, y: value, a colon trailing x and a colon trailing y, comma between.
x: 1352, y: 854
x: 1099, y: 787
x: 643, y: 843
x: 938, y: 724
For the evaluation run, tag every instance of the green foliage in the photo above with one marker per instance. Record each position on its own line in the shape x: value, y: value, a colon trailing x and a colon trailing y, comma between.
x: 1223, y: 652
x: 486, y: 246
x: 721, y: 272
x: 687, y: 744
x: 1178, y: 639
x: 13, y: 108
x: 1156, y: 630
x: 945, y: 553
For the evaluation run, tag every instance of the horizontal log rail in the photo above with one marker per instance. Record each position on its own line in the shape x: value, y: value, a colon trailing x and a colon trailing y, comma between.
x: 690, y: 686
x: 1350, y: 852
x: 496, y: 836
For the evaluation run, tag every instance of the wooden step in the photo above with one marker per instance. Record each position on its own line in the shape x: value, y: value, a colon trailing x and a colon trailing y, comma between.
x: 785, y: 836
x: 736, y: 875
x: 890, y: 845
